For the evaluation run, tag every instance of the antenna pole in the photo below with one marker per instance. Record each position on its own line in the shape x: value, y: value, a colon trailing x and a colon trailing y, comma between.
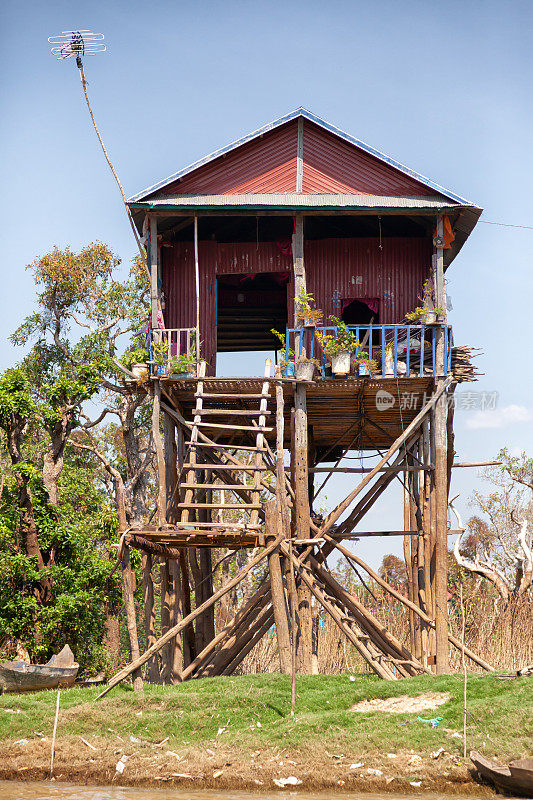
x: 142, y: 252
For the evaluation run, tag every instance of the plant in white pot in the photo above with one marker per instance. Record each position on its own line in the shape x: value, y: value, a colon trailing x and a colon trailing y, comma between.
x: 338, y: 348
x: 305, y: 369
x: 137, y: 361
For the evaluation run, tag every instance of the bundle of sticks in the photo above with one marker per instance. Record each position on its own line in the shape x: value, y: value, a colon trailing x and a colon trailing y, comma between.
x: 462, y: 368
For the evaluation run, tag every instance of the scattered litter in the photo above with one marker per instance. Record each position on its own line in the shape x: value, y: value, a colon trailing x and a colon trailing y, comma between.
x: 160, y: 744
x: 12, y: 710
x: 433, y: 722
x: 371, y: 771
x: 438, y: 753
x: 352, y: 679
x: 340, y: 783
x: 259, y: 783
x: 258, y: 725
x: 121, y: 764
x: 290, y: 761
x: 221, y: 731
x: 357, y: 766
x: 404, y: 704
x: 218, y: 773
x: 392, y: 755
x: 176, y: 755
x: 22, y: 742
x: 416, y: 784
x: 389, y: 780
x: 134, y: 739
x: 92, y: 747
x: 210, y: 752
x: 290, y: 781
x: 415, y: 760
x: 138, y: 713
x: 38, y: 733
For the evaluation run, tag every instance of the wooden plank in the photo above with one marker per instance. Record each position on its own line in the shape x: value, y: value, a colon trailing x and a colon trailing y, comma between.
x: 231, y: 467
x: 235, y: 412
x: 233, y: 396
x: 220, y: 446
x: 216, y: 486
x: 223, y: 426
x: 227, y: 506
x: 154, y: 290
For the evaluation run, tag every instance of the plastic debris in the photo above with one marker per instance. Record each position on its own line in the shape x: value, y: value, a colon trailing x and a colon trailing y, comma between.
x: 357, y: 766
x: 352, y: 679
x: 121, y: 764
x: 392, y: 755
x: 433, y: 722
x: 371, y: 771
x: 22, y: 742
x: 416, y: 784
x: 218, y: 773
x: 438, y: 753
x: 292, y: 780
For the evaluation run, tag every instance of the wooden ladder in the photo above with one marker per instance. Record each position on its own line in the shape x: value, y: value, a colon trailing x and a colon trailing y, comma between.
x: 200, y: 457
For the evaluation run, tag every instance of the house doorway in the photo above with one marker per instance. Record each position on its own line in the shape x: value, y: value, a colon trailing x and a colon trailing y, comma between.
x: 360, y: 311
x: 248, y: 307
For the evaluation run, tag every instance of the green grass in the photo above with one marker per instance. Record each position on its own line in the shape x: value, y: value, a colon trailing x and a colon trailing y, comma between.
x: 191, y: 714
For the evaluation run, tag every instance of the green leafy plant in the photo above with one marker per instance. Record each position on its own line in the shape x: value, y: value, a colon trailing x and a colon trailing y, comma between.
x: 182, y: 364
x: 139, y: 355
x: 160, y: 351
x: 419, y: 314
x: 344, y: 341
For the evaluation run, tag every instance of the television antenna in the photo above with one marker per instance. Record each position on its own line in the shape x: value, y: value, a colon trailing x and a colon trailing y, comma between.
x: 69, y: 44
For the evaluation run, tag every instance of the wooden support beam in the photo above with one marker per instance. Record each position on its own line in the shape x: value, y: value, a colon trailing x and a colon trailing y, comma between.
x: 273, y: 525
x: 302, y: 516
x: 154, y: 288
x: 334, y: 515
x: 128, y: 589
x: 405, y: 601
x: 137, y: 663
x: 149, y: 614
x: 160, y: 457
x: 298, y: 263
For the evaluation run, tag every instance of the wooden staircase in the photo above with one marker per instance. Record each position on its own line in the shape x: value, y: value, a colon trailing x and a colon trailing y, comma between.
x: 228, y: 417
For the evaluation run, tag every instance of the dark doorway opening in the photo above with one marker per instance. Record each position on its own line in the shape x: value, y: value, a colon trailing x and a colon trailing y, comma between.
x: 248, y: 307
x: 360, y: 311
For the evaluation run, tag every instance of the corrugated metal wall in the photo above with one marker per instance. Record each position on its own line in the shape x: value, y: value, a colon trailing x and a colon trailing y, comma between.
x: 351, y: 267
x: 358, y: 268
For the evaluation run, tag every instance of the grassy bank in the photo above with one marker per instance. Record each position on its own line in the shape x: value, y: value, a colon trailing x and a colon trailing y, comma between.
x: 238, y: 733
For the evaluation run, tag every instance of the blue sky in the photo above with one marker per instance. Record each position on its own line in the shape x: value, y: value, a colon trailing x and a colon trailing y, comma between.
x: 444, y: 88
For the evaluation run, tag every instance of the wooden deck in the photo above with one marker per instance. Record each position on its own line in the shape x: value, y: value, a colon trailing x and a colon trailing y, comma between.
x: 341, y: 413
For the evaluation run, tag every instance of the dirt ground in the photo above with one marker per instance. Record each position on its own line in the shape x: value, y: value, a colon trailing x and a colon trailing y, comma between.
x: 135, y: 762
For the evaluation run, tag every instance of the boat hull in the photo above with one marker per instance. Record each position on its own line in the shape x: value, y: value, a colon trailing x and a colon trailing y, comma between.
x: 516, y: 778
x: 16, y: 676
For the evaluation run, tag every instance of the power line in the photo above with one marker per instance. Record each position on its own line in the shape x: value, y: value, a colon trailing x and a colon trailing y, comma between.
x: 506, y: 224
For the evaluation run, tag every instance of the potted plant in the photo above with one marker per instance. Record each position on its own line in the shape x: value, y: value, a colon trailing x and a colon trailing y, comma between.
x: 424, y: 314
x: 338, y: 347
x: 365, y: 366
x: 160, y: 351
x: 287, y: 365
x: 305, y: 369
x: 306, y: 311
x: 182, y: 366
x: 137, y: 361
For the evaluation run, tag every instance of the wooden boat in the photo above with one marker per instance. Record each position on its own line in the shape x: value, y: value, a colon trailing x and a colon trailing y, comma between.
x: 59, y: 672
x: 517, y: 777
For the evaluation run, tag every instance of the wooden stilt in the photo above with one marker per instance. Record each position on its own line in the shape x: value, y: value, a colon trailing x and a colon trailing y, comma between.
x: 302, y: 530
x: 149, y: 614
x: 137, y: 663
x: 273, y: 524
x: 131, y: 617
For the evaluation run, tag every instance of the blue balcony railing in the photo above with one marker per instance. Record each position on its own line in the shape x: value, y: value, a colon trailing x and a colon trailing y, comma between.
x: 397, y: 350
